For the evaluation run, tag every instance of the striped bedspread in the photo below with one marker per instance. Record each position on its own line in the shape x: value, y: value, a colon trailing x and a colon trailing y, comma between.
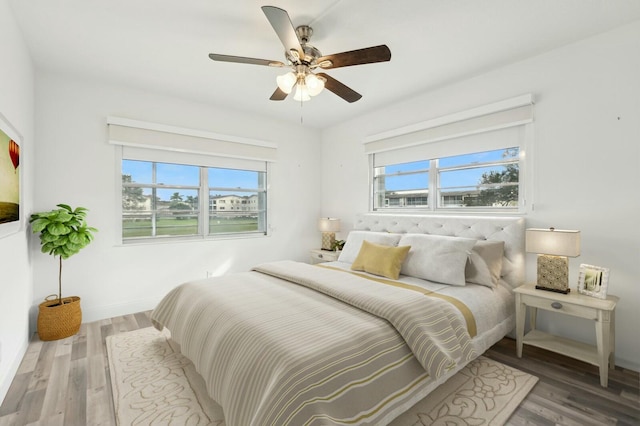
x: 295, y: 344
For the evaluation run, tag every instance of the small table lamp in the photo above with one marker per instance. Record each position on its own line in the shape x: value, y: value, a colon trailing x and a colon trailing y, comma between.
x: 329, y: 226
x: 553, y: 246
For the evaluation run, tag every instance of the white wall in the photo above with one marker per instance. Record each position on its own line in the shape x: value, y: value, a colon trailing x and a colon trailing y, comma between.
x: 585, y: 162
x: 16, y: 104
x: 75, y: 165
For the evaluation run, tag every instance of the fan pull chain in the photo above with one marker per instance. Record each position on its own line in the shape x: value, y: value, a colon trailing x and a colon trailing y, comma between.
x: 301, y: 105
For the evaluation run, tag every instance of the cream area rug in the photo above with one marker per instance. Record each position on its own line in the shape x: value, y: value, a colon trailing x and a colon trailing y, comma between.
x: 153, y: 384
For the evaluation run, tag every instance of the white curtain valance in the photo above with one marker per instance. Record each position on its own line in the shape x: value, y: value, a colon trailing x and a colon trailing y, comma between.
x: 500, y: 115
x: 138, y: 134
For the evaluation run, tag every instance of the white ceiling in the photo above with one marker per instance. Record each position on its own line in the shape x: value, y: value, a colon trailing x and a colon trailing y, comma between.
x: 162, y: 45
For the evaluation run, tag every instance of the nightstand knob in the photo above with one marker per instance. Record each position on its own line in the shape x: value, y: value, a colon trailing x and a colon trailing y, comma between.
x: 556, y: 305
x: 320, y: 256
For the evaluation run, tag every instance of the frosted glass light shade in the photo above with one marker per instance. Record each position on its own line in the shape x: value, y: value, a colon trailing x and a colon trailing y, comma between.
x: 314, y: 84
x: 302, y: 94
x: 551, y: 241
x: 286, y: 82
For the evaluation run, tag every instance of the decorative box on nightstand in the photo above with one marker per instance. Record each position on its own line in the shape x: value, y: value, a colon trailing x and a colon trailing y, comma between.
x: 602, y: 311
x: 320, y: 256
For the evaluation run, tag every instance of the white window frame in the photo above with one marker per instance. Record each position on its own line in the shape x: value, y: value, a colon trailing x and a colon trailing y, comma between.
x: 152, y: 142
x: 466, y: 132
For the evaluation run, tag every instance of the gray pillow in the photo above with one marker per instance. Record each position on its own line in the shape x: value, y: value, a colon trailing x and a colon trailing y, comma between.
x: 485, y: 263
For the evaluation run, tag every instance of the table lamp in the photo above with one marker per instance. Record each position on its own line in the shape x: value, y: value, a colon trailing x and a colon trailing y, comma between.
x: 329, y: 226
x: 553, y: 247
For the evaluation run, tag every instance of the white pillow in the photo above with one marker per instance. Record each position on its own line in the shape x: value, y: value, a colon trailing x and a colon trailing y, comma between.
x: 485, y: 263
x: 436, y: 257
x: 354, y: 242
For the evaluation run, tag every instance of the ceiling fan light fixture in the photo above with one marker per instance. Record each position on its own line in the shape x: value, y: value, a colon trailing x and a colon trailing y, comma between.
x: 302, y: 94
x: 286, y: 82
x: 314, y: 84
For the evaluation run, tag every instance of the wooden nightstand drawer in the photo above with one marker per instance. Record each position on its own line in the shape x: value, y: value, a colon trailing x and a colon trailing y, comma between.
x: 560, y: 305
x: 319, y: 256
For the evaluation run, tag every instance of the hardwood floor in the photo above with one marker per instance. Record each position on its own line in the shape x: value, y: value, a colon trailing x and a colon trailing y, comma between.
x: 66, y: 382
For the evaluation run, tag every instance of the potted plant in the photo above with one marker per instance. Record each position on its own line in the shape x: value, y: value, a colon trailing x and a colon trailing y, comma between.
x: 63, y: 233
x: 338, y: 245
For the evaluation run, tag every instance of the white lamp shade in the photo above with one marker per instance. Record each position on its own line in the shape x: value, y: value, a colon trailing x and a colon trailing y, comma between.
x: 556, y: 242
x: 329, y: 224
x: 314, y: 84
x: 286, y: 82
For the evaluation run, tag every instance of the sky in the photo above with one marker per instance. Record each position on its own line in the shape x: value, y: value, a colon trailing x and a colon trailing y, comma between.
x: 448, y: 179
x: 185, y: 175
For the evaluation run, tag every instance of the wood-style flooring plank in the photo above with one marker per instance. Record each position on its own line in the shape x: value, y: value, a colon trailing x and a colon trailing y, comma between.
x: 67, y: 383
x: 75, y: 411
x: 56, y: 396
x: 15, y: 394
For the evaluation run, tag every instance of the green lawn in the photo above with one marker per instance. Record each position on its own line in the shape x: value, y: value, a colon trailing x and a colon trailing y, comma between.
x: 132, y: 228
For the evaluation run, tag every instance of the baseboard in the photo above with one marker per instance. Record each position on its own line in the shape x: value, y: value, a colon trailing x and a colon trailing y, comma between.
x: 96, y: 313
x: 629, y: 365
x: 6, y: 381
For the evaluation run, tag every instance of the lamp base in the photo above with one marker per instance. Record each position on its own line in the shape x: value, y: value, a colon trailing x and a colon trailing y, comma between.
x: 554, y: 289
x: 553, y: 273
x: 328, y: 238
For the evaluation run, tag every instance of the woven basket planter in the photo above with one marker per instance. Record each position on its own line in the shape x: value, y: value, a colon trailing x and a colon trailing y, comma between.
x: 57, y: 321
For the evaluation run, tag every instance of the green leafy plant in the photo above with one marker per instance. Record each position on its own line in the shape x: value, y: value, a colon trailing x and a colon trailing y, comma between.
x: 63, y: 233
x: 337, y: 245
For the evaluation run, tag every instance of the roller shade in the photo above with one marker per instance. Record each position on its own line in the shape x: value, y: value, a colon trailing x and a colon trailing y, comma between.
x: 172, y: 143
x: 498, y: 122
x: 486, y: 141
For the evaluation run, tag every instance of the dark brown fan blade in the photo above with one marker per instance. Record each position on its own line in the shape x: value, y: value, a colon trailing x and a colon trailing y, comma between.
x: 243, y: 60
x: 278, y: 95
x: 367, y: 55
x: 340, y: 89
x: 281, y: 23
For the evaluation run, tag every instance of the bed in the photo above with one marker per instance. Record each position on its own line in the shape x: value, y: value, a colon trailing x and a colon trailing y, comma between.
x: 359, y: 340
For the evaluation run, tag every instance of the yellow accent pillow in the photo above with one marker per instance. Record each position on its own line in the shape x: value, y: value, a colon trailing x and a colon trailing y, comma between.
x: 380, y: 260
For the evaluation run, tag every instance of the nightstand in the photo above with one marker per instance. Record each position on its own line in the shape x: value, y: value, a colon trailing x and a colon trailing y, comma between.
x: 602, y: 311
x: 320, y: 256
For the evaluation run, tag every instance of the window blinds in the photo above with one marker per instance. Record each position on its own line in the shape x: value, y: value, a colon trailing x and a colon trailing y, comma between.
x: 494, y: 126
x: 156, y: 142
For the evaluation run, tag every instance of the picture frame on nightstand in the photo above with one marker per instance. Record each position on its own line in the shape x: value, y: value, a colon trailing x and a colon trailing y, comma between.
x: 593, y: 281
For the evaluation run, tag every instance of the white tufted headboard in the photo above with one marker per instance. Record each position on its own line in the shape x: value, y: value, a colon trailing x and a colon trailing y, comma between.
x: 507, y: 229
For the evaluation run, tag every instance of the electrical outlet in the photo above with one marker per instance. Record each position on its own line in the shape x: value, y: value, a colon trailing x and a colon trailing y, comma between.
x: 209, y: 274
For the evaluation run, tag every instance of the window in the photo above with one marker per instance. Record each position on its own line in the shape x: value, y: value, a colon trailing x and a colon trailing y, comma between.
x: 163, y: 200
x: 182, y: 183
x: 401, y: 185
x: 470, y: 160
x: 245, y: 191
x: 488, y: 180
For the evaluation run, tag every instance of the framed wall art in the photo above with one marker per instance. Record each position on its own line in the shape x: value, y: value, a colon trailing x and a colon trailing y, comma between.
x: 593, y: 281
x: 10, y: 179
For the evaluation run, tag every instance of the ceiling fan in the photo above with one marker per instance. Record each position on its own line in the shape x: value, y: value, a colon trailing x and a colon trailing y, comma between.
x: 304, y: 59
